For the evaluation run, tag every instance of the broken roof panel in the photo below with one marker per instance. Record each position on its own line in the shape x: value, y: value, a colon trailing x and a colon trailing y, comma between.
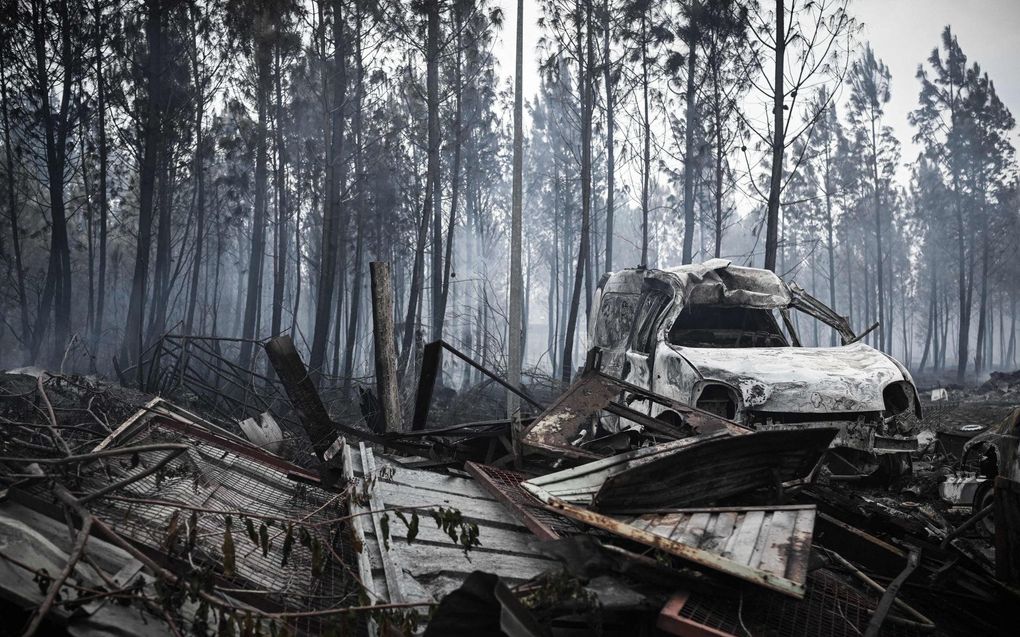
x: 431, y: 565
x: 579, y: 485
x: 32, y: 542
x: 219, y: 476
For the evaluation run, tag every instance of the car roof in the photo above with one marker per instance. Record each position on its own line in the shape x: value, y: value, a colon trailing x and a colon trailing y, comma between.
x: 714, y: 282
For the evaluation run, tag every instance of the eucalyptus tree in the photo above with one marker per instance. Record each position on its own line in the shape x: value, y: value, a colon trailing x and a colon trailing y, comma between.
x: 724, y: 47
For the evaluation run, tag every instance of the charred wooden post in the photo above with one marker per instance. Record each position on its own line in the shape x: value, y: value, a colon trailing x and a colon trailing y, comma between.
x: 305, y: 398
x: 385, y: 347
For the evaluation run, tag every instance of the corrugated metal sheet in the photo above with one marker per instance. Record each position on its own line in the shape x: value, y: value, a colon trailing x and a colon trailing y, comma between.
x: 716, y: 469
x: 689, y: 471
x: 578, y: 485
x: 222, y: 476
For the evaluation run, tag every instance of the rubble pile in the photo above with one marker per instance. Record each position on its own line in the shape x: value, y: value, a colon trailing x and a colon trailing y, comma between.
x: 126, y: 512
x: 1002, y: 385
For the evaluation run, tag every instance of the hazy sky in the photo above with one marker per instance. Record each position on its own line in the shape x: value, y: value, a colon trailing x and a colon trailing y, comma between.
x: 902, y: 32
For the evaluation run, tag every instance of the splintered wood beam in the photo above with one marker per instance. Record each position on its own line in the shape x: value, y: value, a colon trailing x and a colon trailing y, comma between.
x: 385, y: 346
x: 305, y: 398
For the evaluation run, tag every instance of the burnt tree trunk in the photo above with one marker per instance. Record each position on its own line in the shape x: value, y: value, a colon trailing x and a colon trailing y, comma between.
x: 332, y: 216
x: 778, y: 142
x: 132, y: 345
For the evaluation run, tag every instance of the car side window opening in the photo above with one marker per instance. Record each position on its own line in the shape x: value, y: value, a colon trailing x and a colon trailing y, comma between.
x: 616, y: 315
x: 726, y: 326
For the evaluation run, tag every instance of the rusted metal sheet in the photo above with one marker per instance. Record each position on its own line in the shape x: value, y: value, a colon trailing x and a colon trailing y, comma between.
x: 716, y: 468
x: 688, y: 471
x: 673, y: 621
x: 578, y: 485
x: 767, y: 546
x: 505, y: 486
x: 555, y: 430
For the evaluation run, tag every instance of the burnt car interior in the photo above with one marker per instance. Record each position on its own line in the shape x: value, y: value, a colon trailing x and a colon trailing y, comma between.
x: 726, y: 326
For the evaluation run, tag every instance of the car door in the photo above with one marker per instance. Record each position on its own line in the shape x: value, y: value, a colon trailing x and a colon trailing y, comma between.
x: 644, y: 335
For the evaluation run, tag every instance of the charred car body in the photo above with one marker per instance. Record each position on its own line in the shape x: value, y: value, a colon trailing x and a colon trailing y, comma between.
x: 709, y: 335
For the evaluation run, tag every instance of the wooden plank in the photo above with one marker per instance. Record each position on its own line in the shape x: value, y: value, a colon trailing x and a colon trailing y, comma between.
x: 746, y: 537
x: 357, y: 526
x: 694, y: 530
x: 491, y: 538
x: 375, y: 504
x: 759, y: 544
x: 668, y: 523
x: 122, y: 430
x: 431, y: 561
x: 777, y: 544
x: 721, y: 532
x: 726, y: 550
x: 800, y: 548
x: 690, y: 553
x: 419, y: 478
x: 482, y: 512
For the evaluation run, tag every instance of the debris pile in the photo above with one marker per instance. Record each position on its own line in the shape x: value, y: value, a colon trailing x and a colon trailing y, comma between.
x: 125, y: 512
x: 1002, y: 385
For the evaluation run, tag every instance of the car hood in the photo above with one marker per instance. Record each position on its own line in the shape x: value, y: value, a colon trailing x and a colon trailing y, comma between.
x: 799, y: 379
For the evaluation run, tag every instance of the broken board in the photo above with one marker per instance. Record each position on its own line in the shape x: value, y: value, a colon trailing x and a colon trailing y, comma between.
x: 767, y: 546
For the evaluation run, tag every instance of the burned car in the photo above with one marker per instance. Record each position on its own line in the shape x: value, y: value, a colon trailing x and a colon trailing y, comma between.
x: 723, y: 338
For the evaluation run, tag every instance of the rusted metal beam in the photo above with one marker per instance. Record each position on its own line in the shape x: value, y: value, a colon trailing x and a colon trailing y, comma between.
x: 541, y: 530
x: 432, y: 361
x: 891, y: 591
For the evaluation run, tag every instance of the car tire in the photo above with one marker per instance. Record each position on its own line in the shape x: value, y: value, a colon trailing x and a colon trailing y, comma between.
x: 984, y: 496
